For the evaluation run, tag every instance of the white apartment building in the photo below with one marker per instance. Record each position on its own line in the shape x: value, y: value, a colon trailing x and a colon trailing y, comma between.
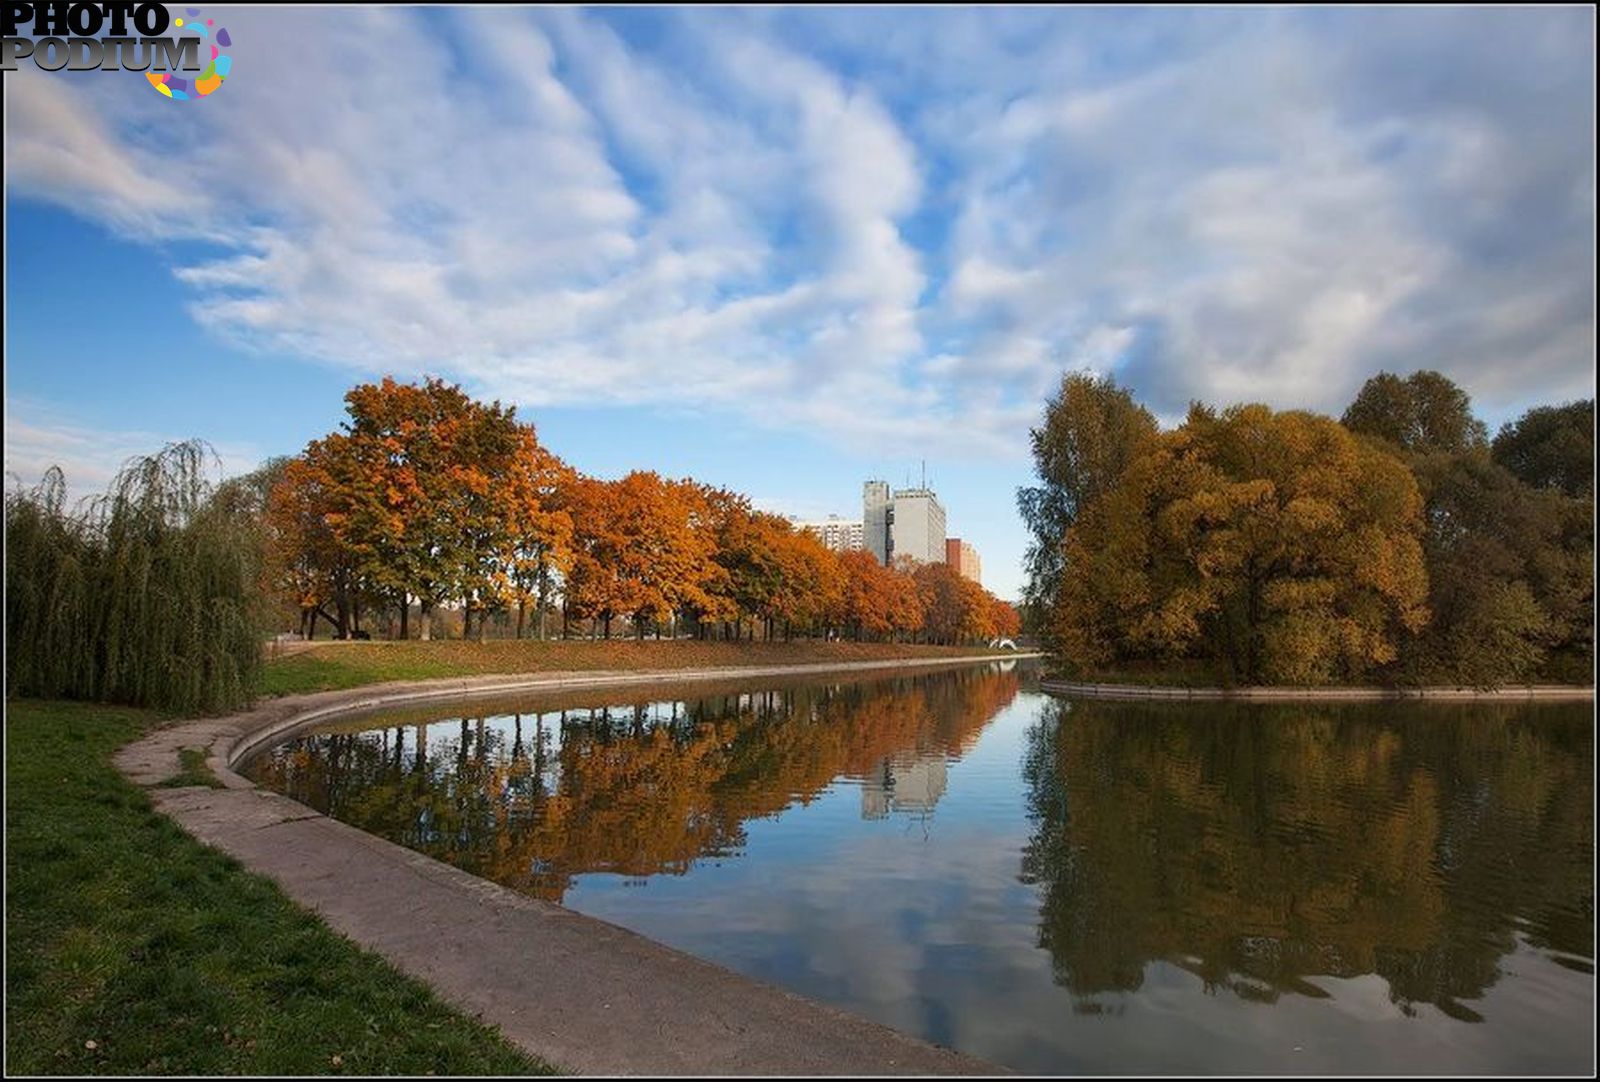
x: 838, y: 534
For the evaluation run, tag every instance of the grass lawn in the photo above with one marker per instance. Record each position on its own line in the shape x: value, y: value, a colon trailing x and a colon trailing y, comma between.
x: 338, y: 665
x: 133, y: 949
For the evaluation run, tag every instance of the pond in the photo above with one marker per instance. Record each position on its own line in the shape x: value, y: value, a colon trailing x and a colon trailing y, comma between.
x: 1058, y: 886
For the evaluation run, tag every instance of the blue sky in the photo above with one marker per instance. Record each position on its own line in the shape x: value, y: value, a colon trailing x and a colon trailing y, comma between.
x: 788, y: 249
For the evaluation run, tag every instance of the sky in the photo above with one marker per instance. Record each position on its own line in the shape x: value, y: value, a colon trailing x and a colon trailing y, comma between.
x: 787, y: 250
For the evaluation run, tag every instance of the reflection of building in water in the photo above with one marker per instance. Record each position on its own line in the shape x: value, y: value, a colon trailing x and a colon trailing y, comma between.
x: 912, y: 785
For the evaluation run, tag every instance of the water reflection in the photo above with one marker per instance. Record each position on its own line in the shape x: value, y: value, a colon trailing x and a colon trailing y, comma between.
x: 1263, y: 847
x: 1089, y: 887
x: 532, y: 800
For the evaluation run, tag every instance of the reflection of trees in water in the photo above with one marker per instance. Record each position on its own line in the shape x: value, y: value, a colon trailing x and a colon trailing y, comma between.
x: 1258, y: 847
x: 636, y: 791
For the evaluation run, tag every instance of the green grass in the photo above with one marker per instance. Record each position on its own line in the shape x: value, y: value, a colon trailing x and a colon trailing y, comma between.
x: 131, y: 948
x: 194, y: 772
x: 341, y: 665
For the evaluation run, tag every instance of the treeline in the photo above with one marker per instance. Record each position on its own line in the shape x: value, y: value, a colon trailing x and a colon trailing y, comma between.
x: 1397, y: 545
x: 427, y: 499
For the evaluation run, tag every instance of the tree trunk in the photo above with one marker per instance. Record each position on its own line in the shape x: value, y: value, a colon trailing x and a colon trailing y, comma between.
x: 522, y: 614
x: 405, y: 617
x: 425, y: 613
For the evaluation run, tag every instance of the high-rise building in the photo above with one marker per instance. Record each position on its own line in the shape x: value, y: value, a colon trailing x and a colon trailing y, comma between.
x: 964, y: 558
x: 877, y: 511
x: 918, y: 527
x: 908, y: 522
x: 838, y: 534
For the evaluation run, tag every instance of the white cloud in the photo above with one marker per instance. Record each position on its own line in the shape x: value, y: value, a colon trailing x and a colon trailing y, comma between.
x: 898, y: 231
x: 38, y: 438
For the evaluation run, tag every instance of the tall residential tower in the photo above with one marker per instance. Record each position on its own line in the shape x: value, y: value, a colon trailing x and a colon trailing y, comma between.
x: 909, y: 522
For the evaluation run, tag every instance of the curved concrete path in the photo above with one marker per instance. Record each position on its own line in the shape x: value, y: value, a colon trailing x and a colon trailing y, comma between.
x: 581, y: 994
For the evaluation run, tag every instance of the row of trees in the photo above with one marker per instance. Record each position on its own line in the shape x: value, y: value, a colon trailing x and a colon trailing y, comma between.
x: 425, y: 495
x: 1397, y: 544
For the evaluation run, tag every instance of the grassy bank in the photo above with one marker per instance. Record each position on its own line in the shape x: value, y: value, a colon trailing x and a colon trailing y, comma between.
x: 133, y: 949
x: 336, y: 665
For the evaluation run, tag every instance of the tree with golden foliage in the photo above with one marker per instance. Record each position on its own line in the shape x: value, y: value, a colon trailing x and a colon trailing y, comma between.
x: 1277, y: 543
x: 639, y: 551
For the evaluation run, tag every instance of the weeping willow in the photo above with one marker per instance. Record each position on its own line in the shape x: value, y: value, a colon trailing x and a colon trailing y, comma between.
x: 147, y: 595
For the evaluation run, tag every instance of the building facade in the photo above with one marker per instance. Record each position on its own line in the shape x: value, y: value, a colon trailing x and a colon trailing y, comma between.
x: 838, y: 534
x: 908, y: 522
x: 877, y: 511
x: 918, y: 527
x: 964, y: 558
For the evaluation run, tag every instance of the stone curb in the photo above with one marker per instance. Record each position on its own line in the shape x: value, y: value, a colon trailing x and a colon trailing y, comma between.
x: 1539, y: 692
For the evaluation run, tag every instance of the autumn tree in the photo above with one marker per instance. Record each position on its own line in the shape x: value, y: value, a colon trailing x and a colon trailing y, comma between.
x: 1424, y: 412
x: 305, y: 561
x: 638, y: 550
x: 869, y: 595
x: 1509, y: 531
x: 954, y: 608
x: 1005, y: 617
x: 539, y: 527
x: 1278, y: 542
x: 811, y: 591
x: 1091, y: 432
x: 750, y: 552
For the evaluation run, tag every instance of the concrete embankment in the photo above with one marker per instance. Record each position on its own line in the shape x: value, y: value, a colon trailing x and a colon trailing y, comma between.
x: 1539, y: 692
x: 582, y: 994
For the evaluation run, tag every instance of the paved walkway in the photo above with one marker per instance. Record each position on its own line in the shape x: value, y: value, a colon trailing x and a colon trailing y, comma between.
x: 579, y: 993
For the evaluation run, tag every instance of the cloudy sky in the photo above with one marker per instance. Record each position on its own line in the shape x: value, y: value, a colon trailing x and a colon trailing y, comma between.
x: 786, y: 250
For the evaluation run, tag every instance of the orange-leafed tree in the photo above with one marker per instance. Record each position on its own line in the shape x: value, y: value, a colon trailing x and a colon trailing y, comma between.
x: 955, y: 609
x: 1007, y: 620
x: 810, y: 588
x: 539, y: 526
x: 638, y: 551
x: 595, y: 588
x: 304, y: 560
x: 425, y: 507
x: 871, y: 593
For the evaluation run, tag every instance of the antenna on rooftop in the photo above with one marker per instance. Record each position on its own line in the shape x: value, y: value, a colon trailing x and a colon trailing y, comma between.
x: 924, y: 473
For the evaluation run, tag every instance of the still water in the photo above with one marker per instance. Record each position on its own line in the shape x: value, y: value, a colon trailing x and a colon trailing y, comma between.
x: 1057, y: 886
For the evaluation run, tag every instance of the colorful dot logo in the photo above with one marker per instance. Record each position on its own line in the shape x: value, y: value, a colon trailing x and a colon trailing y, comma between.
x: 175, y: 86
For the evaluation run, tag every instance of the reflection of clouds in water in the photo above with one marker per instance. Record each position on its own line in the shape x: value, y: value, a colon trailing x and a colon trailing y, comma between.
x: 932, y: 929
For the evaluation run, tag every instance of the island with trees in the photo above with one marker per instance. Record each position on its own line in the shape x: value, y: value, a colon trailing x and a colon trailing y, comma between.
x: 1398, y: 545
